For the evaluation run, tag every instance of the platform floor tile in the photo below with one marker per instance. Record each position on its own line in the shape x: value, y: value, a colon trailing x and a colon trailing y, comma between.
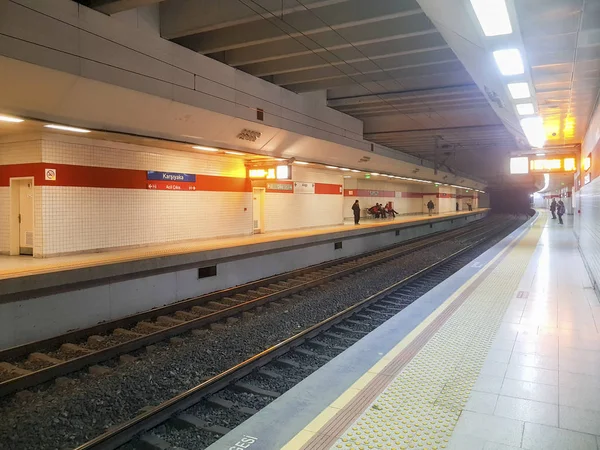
x: 419, y: 407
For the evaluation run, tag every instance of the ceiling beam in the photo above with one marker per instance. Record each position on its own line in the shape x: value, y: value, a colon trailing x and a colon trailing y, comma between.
x: 273, y: 27
x: 116, y: 6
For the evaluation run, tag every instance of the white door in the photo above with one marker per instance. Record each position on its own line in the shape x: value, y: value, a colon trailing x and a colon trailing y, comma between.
x: 258, y: 205
x: 24, y: 214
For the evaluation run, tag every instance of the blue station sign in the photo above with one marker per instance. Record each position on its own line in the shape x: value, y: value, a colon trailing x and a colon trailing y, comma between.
x: 169, y: 176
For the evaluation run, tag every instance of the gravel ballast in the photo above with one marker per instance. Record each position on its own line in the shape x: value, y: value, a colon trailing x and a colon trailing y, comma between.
x: 62, y: 416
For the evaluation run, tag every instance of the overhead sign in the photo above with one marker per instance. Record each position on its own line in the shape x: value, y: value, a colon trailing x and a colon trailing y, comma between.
x: 282, y: 172
x: 170, y: 176
x: 519, y: 165
x: 301, y: 187
x: 556, y: 164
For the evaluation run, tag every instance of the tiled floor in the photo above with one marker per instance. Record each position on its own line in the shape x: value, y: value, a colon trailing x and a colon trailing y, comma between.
x: 540, y: 385
x: 16, y: 266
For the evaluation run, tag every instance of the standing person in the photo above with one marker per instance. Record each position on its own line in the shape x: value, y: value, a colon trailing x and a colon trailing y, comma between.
x: 553, y: 208
x: 356, y: 211
x: 456, y: 206
x: 561, y: 211
x: 430, y: 207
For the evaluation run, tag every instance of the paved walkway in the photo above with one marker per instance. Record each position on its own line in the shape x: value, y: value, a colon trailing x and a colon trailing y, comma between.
x: 511, y: 360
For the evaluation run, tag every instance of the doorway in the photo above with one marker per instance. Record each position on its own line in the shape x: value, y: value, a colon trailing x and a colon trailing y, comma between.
x: 258, y: 209
x: 22, y: 216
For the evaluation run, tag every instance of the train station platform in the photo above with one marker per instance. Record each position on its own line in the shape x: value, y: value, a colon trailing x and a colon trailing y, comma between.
x: 140, y: 259
x: 99, y: 287
x: 504, y: 354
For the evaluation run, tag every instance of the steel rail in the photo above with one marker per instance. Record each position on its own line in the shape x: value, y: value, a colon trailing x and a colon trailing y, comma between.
x: 126, y: 431
x: 72, y: 365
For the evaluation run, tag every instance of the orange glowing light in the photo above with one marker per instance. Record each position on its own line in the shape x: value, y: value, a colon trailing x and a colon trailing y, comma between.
x: 587, y: 163
x: 569, y: 129
x: 570, y: 164
x: 545, y: 165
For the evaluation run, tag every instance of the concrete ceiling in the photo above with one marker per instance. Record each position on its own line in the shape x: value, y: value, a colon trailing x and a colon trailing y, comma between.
x: 562, y: 41
x: 394, y: 65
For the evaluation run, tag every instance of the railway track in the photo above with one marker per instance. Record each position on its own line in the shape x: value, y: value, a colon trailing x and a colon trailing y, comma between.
x: 35, y: 363
x: 38, y: 362
x: 198, y: 417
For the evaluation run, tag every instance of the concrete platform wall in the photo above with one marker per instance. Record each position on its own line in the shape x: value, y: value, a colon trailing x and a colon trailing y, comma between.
x: 50, y: 314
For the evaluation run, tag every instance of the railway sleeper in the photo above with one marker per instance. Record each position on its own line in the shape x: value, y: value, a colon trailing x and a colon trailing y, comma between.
x: 150, y: 441
x: 289, y: 363
x: 190, y: 421
x: 312, y: 354
x: 229, y: 405
x: 340, y: 337
x: 252, y: 389
x: 319, y: 344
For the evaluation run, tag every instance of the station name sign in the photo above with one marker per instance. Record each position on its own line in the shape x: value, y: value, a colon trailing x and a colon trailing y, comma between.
x: 170, y: 181
x: 170, y: 176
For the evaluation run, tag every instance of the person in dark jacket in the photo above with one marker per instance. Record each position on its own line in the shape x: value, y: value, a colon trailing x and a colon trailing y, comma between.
x: 560, y: 210
x: 457, y: 206
x: 430, y: 207
x: 553, y: 208
x: 356, y: 211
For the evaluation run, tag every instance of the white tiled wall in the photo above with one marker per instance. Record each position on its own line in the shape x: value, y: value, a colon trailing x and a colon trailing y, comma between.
x: 78, y: 219
x: 446, y: 204
x: 292, y: 211
x: 82, y: 219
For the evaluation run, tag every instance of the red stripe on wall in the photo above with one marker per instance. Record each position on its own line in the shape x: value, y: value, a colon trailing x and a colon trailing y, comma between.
x: 412, y: 195
x: 322, y: 188
x: 107, y: 177
x: 378, y: 194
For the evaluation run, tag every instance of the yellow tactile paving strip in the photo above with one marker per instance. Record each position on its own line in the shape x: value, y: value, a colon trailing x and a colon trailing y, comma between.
x: 413, y: 397
x: 14, y: 266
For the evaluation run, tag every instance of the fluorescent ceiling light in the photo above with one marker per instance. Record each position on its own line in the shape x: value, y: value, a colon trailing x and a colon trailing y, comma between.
x: 533, y: 127
x: 525, y: 109
x: 10, y: 119
x: 519, y: 165
x: 302, y: 163
x: 229, y: 152
x: 65, y: 128
x: 493, y: 17
x: 519, y: 91
x: 205, y: 149
x: 509, y: 61
x: 356, y: 171
x: 331, y: 167
x: 540, y: 154
x: 374, y: 173
x: 344, y: 169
